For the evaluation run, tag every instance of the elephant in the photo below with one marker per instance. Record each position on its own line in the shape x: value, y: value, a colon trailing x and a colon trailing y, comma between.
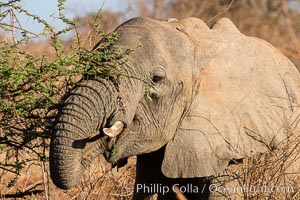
x: 193, y: 99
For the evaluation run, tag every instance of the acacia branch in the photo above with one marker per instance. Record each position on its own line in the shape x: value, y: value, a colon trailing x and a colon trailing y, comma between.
x: 19, y: 28
x: 9, y: 3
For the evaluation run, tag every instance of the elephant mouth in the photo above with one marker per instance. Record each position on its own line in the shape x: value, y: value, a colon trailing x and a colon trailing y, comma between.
x: 112, y: 154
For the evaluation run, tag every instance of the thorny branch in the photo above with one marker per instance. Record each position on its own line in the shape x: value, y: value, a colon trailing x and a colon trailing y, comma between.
x: 19, y: 28
x: 9, y: 3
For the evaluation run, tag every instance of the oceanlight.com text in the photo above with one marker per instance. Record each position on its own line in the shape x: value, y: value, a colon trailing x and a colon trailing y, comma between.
x: 250, y: 189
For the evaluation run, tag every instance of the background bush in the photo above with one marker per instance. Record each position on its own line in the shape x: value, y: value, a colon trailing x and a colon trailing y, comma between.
x: 31, y: 87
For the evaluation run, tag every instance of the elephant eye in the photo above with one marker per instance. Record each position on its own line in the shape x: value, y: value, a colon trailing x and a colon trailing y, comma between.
x: 158, y: 75
x: 157, y: 78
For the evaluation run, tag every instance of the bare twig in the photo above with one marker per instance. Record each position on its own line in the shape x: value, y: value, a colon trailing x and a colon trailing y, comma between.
x: 21, y: 194
x: 45, y: 181
x: 29, y: 191
x: 89, y: 34
x: 12, y: 24
x: 221, y: 13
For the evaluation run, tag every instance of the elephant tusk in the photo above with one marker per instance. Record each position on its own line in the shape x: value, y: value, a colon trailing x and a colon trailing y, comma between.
x: 114, y: 130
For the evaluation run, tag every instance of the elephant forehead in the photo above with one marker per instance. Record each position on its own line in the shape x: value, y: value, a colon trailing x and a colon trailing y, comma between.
x: 148, y: 36
x: 184, y: 43
x: 175, y: 33
x: 160, y: 46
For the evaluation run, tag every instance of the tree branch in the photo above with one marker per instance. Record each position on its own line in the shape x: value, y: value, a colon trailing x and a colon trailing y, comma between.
x: 221, y: 13
x: 19, y: 28
x: 9, y: 3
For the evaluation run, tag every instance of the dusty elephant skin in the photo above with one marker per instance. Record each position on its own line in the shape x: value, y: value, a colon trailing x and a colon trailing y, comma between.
x: 216, y: 95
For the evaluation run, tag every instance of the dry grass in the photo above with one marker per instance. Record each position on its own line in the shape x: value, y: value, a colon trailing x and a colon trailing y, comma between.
x: 97, y: 183
x: 267, y: 176
x: 252, y: 180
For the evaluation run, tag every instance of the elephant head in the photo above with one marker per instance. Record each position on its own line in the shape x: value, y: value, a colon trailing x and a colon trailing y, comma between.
x: 207, y: 95
x: 216, y: 95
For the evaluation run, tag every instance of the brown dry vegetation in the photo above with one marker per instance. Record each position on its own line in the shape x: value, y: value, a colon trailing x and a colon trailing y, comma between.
x: 273, y: 20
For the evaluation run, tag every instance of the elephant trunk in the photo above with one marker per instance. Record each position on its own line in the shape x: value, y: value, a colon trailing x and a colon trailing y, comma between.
x: 76, y: 140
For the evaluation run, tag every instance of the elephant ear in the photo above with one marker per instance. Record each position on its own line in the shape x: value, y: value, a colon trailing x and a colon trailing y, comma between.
x: 242, y: 103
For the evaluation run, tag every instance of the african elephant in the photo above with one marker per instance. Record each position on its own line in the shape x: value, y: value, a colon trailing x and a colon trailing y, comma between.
x: 214, y: 96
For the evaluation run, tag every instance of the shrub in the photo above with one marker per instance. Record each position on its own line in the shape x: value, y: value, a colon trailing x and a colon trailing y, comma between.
x: 31, y: 88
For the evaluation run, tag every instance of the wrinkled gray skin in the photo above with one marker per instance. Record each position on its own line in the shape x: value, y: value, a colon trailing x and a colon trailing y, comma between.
x: 211, y: 102
x: 76, y: 141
